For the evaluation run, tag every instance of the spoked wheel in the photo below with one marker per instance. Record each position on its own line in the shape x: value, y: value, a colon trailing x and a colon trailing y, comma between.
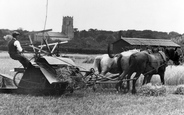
x: 17, y: 77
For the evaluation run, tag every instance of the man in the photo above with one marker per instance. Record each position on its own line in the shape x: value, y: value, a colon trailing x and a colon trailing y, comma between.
x: 15, y: 50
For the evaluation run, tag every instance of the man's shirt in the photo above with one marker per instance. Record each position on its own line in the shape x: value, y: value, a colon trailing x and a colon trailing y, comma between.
x: 17, y: 44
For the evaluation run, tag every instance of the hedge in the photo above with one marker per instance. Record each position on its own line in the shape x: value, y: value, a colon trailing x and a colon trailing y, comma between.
x: 64, y: 50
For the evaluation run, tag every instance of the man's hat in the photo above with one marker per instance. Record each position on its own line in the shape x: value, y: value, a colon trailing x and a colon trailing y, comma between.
x: 15, y: 33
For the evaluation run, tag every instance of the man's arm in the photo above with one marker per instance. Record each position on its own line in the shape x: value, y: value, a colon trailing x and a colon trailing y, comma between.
x: 17, y: 44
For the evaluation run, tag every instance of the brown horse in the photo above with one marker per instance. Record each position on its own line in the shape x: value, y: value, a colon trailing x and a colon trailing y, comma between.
x: 149, y: 64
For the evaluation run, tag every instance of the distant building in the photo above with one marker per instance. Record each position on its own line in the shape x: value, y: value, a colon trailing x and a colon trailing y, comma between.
x: 67, y: 27
x: 66, y: 34
x: 141, y: 43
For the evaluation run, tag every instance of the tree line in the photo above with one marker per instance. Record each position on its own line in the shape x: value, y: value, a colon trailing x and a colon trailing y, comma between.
x: 99, y: 39
x: 94, y: 40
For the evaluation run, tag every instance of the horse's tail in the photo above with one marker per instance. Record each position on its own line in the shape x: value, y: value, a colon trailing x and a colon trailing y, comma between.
x: 132, y: 61
x: 96, y: 64
x: 119, y: 63
x: 109, y: 52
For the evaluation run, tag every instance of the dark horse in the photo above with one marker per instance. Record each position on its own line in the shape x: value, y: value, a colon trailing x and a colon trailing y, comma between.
x: 149, y: 64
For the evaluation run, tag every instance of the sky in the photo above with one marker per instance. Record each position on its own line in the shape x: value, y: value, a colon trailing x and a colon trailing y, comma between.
x: 113, y: 15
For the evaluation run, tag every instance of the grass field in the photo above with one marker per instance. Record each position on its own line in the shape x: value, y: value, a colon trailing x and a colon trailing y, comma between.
x: 87, y: 102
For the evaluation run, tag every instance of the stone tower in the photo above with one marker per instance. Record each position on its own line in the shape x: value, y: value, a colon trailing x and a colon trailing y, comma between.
x: 67, y: 27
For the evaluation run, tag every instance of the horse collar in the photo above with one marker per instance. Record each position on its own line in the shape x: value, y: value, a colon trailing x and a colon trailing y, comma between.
x: 163, y: 55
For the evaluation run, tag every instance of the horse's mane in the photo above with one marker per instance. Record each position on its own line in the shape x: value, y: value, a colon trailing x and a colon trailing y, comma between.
x: 163, y: 55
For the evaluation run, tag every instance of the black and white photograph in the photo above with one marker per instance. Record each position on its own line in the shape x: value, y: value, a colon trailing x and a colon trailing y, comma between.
x: 91, y: 57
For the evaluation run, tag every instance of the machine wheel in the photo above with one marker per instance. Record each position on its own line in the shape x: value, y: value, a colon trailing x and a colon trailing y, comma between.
x: 17, y: 77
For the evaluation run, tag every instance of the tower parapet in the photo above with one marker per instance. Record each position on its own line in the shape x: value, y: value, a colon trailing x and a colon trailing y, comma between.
x: 67, y: 26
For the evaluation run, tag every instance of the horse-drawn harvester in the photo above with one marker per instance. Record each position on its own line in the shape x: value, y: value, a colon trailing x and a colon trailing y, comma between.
x: 52, y: 74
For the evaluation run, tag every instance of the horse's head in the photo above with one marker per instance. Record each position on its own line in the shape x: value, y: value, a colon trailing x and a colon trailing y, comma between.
x: 173, y: 55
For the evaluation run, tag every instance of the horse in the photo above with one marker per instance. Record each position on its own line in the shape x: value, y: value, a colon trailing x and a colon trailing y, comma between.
x: 113, y: 64
x: 149, y: 64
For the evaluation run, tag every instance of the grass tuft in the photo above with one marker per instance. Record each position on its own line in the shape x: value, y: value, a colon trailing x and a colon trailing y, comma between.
x: 152, y: 90
x: 179, y: 90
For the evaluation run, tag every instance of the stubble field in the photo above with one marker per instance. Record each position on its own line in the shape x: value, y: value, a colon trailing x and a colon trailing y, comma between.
x: 88, y: 102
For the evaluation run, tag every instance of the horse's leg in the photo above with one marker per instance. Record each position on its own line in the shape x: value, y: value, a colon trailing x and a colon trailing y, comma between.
x: 128, y: 81
x: 147, y: 79
x: 104, y: 70
x: 118, y: 85
x: 144, y: 80
x: 99, y: 68
x: 121, y: 77
x: 129, y: 74
x: 162, y: 77
x: 134, y: 82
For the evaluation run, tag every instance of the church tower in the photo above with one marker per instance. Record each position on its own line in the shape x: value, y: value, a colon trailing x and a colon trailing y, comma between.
x: 67, y: 27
